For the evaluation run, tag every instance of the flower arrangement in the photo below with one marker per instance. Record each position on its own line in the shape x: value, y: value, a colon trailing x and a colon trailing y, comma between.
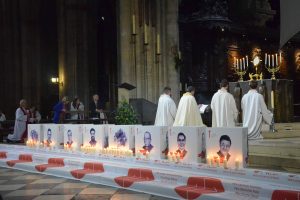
x: 125, y: 114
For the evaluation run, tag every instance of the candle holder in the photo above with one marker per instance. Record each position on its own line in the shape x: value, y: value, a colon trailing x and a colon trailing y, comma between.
x: 273, y: 70
x: 272, y: 126
x: 240, y: 73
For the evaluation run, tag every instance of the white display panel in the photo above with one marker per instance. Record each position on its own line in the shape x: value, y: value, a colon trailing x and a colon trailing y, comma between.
x: 73, y: 136
x: 53, y: 136
x: 35, y: 133
x: 121, y: 136
x: 227, y: 145
x: 94, y: 135
x: 187, y: 143
x: 151, y: 139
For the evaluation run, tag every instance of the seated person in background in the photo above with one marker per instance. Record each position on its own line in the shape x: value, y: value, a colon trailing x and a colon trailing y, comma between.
x: 20, y: 129
x: 96, y: 108
x: 34, y: 115
x: 76, y: 105
x: 59, y: 110
x: 2, y: 117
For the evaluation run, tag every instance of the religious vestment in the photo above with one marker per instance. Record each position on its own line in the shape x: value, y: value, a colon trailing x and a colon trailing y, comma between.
x: 20, y: 128
x: 34, y: 117
x: 166, y: 111
x: 224, y: 111
x: 188, y: 113
x: 254, y: 113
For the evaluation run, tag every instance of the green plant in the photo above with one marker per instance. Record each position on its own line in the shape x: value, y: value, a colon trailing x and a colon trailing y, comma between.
x: 125, y: 114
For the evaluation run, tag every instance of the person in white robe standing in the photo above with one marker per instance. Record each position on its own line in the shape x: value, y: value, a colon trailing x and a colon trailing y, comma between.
x: 166, y: 109
x: 255, y: 112
x: 188, y: 113
x: 224, y: 111
x: 20, y: 123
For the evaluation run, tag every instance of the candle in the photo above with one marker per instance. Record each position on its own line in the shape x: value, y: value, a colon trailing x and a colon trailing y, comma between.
x: 208, y: 160
x: 225, y: 163
x: 280, y: 57
x: 237, y: 64
x: 276, y: 59
x: 211, y: 161
x: 247, y: 61
x: 234, y: 63
x: 133, y: 24
x: 243, y: 63
x: 218, y: 161
x: 179, y: 55
x: 158, y: 44
x: 272, y: 60
x: 266, y: 55
x: 269, y: 60
x: 177, y: 157
x: 237, y: 164
x: 272, y: 99
x: 145, y: 34
x: 169, y: 156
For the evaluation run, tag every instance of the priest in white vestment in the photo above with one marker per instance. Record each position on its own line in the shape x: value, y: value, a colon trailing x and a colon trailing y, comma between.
x: 224, y: 111
x: 255, y: 112
x: 20, y: 123
x: 166, y: 109
x: 188, y: 113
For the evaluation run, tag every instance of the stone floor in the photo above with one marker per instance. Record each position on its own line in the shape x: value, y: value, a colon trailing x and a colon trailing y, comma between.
x: 15, y: 185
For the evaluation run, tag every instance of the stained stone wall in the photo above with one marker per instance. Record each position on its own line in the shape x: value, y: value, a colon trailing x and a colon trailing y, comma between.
x: 140, y: 61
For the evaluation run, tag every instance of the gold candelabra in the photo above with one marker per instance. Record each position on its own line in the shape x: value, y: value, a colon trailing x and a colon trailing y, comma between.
x: 240, y: 73
x: 273, y: 70
x: 272, y: 64
x: 240, y: 67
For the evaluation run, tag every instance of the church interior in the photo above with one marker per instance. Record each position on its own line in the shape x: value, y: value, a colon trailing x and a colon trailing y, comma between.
x: 129, y: 51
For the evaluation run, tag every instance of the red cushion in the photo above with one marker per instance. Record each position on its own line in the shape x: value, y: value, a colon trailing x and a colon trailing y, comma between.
x: 285, y: 195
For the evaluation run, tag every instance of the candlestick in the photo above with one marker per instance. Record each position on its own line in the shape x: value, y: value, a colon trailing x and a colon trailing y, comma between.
x: 133, y: 24
x: 158, y: 44
x: 272, y: 99
x: 280, y: 57
x: 237, y: 164
x: 266, y: 56
x: 225, y: 163
x: 145, y: 34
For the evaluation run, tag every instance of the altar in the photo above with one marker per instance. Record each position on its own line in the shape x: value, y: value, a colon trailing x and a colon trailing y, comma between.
x: 283, y: 96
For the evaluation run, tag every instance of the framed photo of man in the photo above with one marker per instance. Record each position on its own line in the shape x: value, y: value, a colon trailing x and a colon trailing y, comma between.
x: 73, y: 136
x: 227, y: 145
x: 121, y: 136
x: 151, y: 140
x: 94, y: 135
x: 53, y: 136
x: 187, y: 143
x: 35, y: 133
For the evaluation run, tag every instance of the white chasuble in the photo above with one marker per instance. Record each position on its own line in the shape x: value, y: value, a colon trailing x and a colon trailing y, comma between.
x: 188, y: 113
x: 166, y: 111
x: 254, y: 113
x: 224, y: 111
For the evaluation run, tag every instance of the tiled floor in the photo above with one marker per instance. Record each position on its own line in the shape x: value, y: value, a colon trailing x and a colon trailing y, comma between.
x: 15, y: 185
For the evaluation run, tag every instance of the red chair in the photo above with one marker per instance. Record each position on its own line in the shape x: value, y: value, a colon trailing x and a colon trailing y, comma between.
x: 134, y: 175
x: 196, y: 186
x: 3, y: 155
x: 286, y: 195
x: 52, y: 162
x: 88, y: 168
x: 23, y: 158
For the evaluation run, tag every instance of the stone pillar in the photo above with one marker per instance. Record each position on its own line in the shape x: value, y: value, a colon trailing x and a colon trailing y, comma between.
x: 138, y: 62
x: 72, y: 49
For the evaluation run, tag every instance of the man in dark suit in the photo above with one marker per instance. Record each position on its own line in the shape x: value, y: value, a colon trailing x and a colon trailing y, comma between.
x: 96, y: 107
